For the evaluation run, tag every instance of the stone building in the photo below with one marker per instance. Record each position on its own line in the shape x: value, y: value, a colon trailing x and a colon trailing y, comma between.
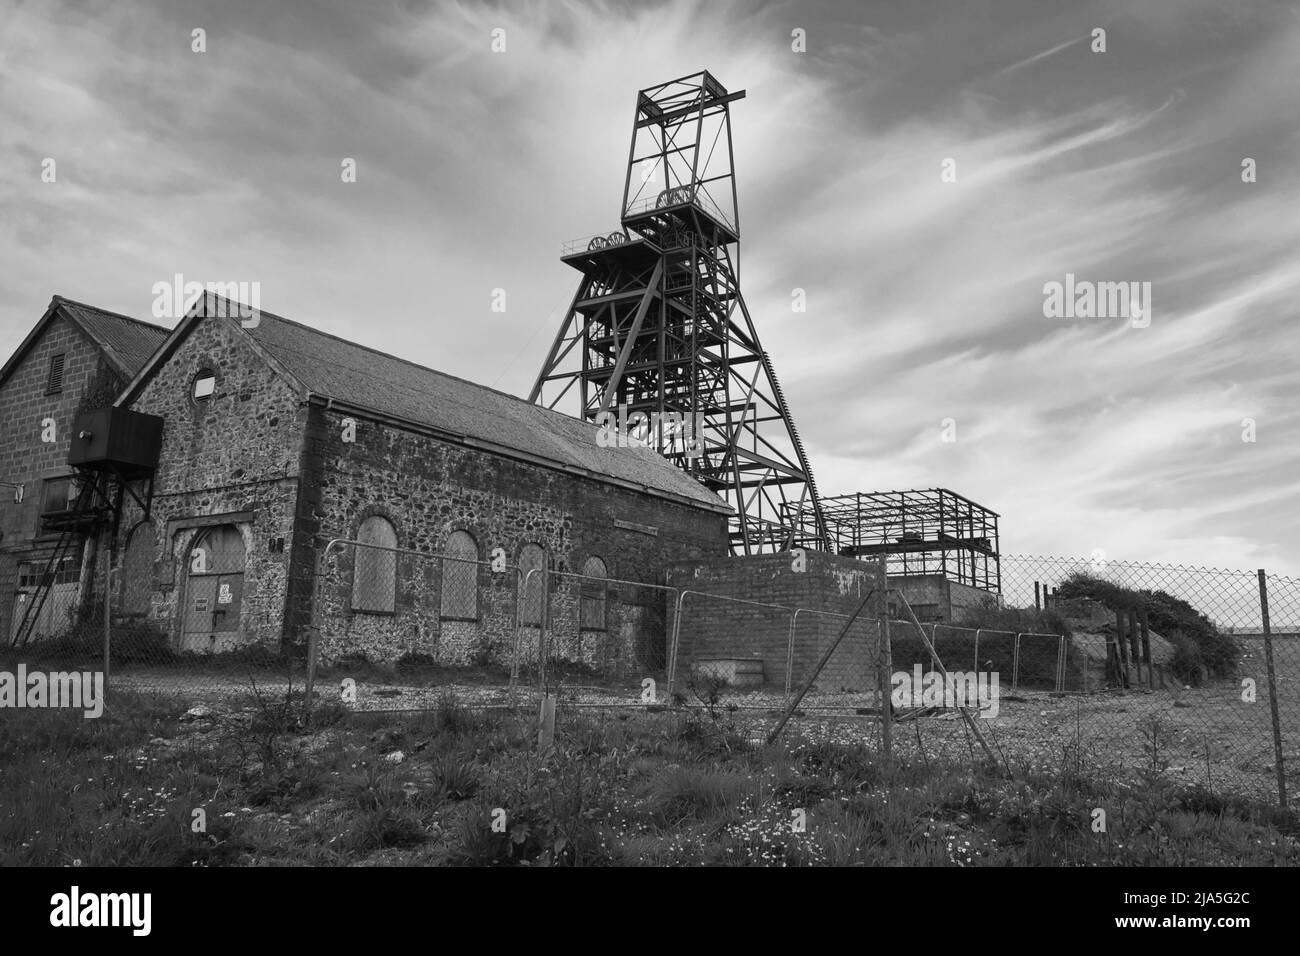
x: 280, y: 439
x: 76, y: 358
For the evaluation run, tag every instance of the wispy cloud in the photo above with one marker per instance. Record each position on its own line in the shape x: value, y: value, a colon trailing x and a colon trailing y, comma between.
x: 1038, y: 56
x: 924, y: 296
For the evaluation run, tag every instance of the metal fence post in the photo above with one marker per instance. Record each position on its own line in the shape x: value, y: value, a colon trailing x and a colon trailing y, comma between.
x: 513, y: 684
x: 1272, y: 689
x: 108, y: 616
x: 789, y: 652
x: 313, y: 629
x: 885, y: 663
x: 1015, y: 663
x: 1060, y: 666
x: 673, y: 644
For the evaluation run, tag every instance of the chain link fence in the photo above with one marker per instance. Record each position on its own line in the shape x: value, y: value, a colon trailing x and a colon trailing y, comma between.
x: 603, y: 639
x: 1124, y: 667
x: 395, y: 629
x: 1166, y: 670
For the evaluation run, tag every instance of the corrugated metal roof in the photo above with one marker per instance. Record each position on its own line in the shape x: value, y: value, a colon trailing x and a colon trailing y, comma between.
x: 346, y: 372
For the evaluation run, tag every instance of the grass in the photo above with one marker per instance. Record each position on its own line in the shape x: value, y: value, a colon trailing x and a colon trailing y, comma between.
x: 453, y: 786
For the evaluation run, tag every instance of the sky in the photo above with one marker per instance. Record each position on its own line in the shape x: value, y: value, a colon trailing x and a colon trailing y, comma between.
x: 922, y: 171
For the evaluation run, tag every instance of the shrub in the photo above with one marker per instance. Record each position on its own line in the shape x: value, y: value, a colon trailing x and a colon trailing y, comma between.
x: 141, y: 643
x: 135, y: 642
x: 1188, y: 662
x: 416, y: 659
x: 485, y: 654
x: 1020, y: 620
x: 1167, y: 615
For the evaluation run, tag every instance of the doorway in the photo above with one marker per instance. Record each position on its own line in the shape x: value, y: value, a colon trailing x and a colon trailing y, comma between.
x: 214, y: 591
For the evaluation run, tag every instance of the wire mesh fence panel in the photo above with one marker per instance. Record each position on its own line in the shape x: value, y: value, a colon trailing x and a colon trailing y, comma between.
x: 1039, y: 662
x: 1284, y: 604
x: 604, y: 640
x: 726, y: 651
x: 850, y: 681
x: 396, y: 629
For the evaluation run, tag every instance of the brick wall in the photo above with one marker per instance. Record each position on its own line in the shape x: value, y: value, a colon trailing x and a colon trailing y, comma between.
x: 428, y: 488
x: 88, y: 382
x: 713, y: 627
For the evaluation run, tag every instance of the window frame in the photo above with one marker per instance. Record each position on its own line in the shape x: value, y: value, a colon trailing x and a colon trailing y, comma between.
x: 384, y: 564
x: 46, y: 484
x: 203, y: 374
x: 451, y: 569
x: 589, y: 598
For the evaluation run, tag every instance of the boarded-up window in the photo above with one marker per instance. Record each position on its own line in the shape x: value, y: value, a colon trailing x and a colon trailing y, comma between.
x: 531, y: 602
x: 58, y: 495
x: 135, y: 580
x: 460, y: 578
x: 594, y: 594
x: 374, y: 571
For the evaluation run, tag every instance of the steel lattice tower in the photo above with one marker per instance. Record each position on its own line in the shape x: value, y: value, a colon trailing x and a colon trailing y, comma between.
x: 659, y: 326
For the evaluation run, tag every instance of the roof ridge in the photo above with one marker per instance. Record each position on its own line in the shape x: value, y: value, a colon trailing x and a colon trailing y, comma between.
x: 116, y: 315
x: 424, y: 368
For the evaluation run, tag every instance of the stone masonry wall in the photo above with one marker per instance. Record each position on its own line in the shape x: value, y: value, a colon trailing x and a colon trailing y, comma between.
x: 428, y: 488
x: 232, y: 459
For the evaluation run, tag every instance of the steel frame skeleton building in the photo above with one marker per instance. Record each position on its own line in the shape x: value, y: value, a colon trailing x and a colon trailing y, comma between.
x: 928, y: 531
x: 658, y: 326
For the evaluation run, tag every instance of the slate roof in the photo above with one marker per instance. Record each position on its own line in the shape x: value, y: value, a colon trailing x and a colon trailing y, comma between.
x: 334, y: 368
x: 127, y: 342
x: 412, y: 396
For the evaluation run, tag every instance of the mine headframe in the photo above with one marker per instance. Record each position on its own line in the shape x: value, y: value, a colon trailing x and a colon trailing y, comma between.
x: 658, y: 337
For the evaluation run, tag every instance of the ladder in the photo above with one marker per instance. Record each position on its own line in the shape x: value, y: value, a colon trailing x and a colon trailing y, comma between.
x: 69, y: 541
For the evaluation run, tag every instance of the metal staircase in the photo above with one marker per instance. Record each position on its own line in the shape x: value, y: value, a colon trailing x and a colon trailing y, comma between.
x: 72, y: 524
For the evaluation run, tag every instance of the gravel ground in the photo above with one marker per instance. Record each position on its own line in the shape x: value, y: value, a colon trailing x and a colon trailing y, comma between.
x: 1207, y: 736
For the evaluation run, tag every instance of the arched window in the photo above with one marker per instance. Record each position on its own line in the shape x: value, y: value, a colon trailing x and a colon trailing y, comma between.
x: 135, y: 577
x: 592, y: 615
x: 531, y: 602
x: 374, y: 570
x: 460, y: 578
